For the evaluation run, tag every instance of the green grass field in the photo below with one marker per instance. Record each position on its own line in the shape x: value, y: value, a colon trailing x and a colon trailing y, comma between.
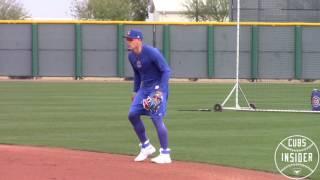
x: 93, y: 116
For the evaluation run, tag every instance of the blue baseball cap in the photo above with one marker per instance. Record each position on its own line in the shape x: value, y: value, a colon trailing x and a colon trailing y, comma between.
x: 134, y: 34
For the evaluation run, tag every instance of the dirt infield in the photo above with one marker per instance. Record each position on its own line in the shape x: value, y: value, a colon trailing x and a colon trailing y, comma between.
x: 35, y: 163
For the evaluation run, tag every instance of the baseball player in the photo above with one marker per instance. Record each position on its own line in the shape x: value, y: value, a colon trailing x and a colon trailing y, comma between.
x: 150, y: 95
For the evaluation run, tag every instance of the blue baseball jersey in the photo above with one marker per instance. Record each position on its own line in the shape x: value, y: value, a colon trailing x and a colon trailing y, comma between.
x: 150, y: 69
x: 151, y: 73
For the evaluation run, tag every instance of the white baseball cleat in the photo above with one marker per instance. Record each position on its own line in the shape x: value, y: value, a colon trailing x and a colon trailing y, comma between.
x: 146, y: 150
x: 163, y: 157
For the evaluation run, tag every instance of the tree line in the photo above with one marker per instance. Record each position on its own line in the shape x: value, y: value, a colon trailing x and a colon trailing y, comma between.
x: 134, y: 10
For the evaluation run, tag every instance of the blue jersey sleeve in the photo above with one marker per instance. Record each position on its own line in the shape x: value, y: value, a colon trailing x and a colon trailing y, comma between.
x: 164, y: 69
x: 136, y: 77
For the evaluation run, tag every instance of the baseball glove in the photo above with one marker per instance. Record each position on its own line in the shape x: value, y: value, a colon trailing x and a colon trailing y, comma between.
x: 153, y: 101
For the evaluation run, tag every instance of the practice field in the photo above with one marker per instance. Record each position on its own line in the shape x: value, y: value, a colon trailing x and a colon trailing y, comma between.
x: 93, y: 116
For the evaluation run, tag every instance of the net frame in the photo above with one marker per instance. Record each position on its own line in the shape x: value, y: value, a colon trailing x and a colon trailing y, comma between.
x: 237, y: 90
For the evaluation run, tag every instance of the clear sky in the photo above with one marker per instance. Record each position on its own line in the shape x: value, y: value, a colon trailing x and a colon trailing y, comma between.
x: 47, y: 8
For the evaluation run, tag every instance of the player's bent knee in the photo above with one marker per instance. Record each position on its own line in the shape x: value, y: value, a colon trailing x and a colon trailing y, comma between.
x: 157, y: 121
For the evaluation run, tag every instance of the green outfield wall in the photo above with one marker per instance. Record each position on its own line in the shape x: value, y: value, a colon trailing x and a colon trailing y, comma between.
x: 193, y: 50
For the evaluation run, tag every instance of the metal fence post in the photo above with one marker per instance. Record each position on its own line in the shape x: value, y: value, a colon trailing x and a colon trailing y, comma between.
x: 210, y: 51
x: 78, y: 51
x: 166, y: 43
x: 254, y: 51
x: 35, y: 51
x: 298, y: 52
x: 120, y: 50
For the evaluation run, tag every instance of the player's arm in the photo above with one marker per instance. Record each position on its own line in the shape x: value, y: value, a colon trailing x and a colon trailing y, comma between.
x: 164, y: 69
x: 136, y: 80
x: 136, y: 84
